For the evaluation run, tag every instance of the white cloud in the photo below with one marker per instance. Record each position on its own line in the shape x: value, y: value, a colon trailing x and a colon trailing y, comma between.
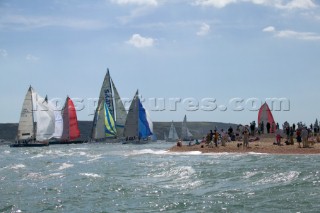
x: 31, y: 22
x: 214, y: 3
x: 298, y: 4
x: 310, y: 36
x: 204, y: 29
x: 137, y: 2
x: 280, y: 4
x: 32, y: 58
x: 298, y: 35
x: 3, y: 53
x: 269, y: 29
x: 140, y: 42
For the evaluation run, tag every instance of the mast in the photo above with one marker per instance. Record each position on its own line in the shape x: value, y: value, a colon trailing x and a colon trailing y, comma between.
x: 33, y: 123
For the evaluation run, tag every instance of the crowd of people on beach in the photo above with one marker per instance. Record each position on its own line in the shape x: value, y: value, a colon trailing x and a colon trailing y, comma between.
x: 243, y: 134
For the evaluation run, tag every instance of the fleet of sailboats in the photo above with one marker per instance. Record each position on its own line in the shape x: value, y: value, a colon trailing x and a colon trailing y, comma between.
x: 42, y: 123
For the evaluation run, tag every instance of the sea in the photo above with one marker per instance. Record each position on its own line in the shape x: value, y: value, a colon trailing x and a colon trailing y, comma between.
x: 147, y: 178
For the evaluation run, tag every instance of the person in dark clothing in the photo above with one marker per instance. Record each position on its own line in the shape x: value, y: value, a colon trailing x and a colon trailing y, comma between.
x: 268, y: 127
x: 262, y: 127
x: 210, y: 136
x: 294, y: 127
x: 252, y: 127
x: 230, y: 131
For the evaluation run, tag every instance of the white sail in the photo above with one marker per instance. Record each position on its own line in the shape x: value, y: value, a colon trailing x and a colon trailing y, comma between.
x: 131, y: 128
x: 120, y: 111
x: 173, y: 135
x: 149, y: 121
x: 58, y: 126
x: 99, y: 122
x: 26, y: 128
x: 45, y: 120
x: 185, y: 133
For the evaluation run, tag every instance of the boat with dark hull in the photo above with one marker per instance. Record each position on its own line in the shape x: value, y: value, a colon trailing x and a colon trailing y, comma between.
x: 33, y: 144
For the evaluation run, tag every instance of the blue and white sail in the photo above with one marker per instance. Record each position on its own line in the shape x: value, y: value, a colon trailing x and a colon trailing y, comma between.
x: 137, y: 125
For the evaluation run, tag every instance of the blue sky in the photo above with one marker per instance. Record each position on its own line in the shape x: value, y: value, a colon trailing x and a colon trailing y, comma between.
x: 187, y: 49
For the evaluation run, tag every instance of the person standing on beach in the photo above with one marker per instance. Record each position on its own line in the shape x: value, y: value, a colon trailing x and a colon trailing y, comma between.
x: 304, y: 135
x: 224, y: 137
x: 245, y: 138
x: 291, y: 136
x: 216, y: 137
x: 268, y: 127
x: 299, y: 140
x: 273, y: 127
x: 210, y: 136
x: 278, y: 137
x: 262, y: 127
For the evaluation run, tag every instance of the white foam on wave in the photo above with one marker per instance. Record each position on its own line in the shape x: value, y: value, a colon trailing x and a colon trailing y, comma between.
x: 257, y: 153
x: 285, y: 177
x: 146, y: 151
x: 37, y: 156
x: 182, y: 177
x: 17, y: 166
x: 186, y: 153
x: 65, y: 166
x: 91, y: 175
x: 80, y: 148
x: 39, y: 176
x: 181, y: 172
x: 6, y: 152
x: 248, y: 175
x: 91, y: 158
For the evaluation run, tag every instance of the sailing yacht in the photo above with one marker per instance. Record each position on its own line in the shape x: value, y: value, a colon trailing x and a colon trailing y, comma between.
x: 37, y: 122
x: 110, y: 115
x: 138, y: 128
x: 185, y: 133
x: 173, y: 135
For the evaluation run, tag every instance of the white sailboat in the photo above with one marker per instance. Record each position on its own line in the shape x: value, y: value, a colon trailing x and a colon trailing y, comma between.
x: 173, y: 135
x: 138, y: 126
x: 37, y: 122
x: 110, y: 115
x: 185, y: 133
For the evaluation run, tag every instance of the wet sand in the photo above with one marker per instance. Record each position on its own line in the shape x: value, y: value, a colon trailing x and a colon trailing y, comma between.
x: 264, y: 145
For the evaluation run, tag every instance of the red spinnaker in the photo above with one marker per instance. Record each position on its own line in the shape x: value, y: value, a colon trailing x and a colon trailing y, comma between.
x: 266, y: 116
x: 70, y: 122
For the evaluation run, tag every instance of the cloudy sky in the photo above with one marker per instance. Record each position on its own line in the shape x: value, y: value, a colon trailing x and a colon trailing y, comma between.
x: 213, y: 53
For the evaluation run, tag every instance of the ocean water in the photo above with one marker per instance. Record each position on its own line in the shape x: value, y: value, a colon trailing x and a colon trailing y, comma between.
x: 147, y: 178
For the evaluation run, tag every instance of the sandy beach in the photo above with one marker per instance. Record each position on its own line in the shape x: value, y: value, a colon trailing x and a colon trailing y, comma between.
x: 264, y: 145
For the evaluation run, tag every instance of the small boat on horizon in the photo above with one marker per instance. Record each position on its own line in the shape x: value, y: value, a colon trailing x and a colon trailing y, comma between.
x: 173, y: 135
